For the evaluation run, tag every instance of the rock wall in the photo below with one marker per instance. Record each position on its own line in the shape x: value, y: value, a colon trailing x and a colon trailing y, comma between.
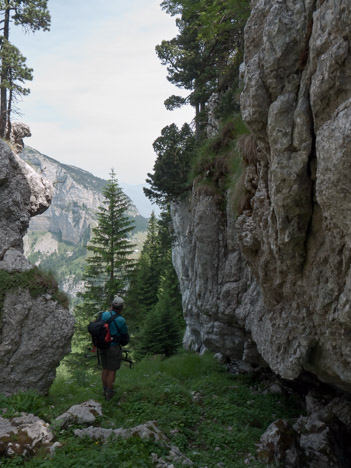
x: 35, y: 332
x: 295, y: 238
x: 218, y: 289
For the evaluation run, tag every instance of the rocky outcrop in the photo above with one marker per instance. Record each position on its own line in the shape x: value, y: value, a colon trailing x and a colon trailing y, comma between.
x: 318, y: 439
x: 84, y: 413
x: 296, y: 236
x: 35, y: 335
x: 19, y: 130
x: 218, y: 289
x: 23, y: 194
x: 281, y: 275
x: 35, y: 330
x: 146, y: 431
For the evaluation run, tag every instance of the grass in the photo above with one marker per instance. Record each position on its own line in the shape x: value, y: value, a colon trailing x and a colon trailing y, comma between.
x: 210, y: 415
x: 37, y: 282
x: 218, y: 165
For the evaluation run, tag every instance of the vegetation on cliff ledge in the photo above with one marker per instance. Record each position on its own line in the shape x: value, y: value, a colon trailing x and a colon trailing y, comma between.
x: 204, y: 58
x: 36, y: 281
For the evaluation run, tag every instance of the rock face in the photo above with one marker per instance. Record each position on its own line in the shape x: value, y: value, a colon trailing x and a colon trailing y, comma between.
x: 218, y: 289
x: 35, y: 332
x: 23, y: 194
x: 295, y: 234
x: 296, y: 237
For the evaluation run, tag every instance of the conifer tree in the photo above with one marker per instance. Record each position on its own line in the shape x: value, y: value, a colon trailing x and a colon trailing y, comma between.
x: 32, y: 15
x: 174, y: 149
x: 109, y: 264
x: 163, y: 325
x: 142, y: 295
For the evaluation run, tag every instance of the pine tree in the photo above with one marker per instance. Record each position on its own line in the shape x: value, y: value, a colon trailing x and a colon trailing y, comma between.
x: 17, y: 73
x: 174, y: 149
x: 109, y: 264
x: 32, y: 15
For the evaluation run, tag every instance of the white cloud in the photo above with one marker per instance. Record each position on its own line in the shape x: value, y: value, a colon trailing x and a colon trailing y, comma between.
x: 97, y: 102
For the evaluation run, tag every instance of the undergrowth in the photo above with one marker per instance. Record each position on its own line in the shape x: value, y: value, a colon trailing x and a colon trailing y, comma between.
x: 35, y: 280
x: 214, y: 418
x: 217, y: 166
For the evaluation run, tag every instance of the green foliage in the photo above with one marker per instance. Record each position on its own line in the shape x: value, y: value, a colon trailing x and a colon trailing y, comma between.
x: 12, y: 59
x: 28, y: 402
x: 205, y: 56
x: 163, y: 325
x: 110, y: 264
x: 174, y: 102
x: 210, y: 415
x: 35, y: 280
x: 174, y: 149
x: 32, y: 15
x: 217, y: 165
x: 142, y: 293
x: 154, y: 310
x: 140, y: 223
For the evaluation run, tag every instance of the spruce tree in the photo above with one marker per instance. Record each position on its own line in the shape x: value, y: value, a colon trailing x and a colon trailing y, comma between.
x: 164, y: 324
x: 109, y: 264
x: 142, y: 295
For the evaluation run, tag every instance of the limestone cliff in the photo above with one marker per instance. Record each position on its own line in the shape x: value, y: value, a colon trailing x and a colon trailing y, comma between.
x: 56, y: 239
x: 295, y: 237
x: 35, y: 329
x: 218, y: 289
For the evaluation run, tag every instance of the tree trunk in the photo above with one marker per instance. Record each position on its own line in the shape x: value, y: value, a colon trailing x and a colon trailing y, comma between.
x: 9, y: 110
x: 3, y: 76
x: 197, y: 123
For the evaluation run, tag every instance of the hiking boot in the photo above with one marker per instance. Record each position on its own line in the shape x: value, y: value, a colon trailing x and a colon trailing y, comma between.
x: 109, y: 394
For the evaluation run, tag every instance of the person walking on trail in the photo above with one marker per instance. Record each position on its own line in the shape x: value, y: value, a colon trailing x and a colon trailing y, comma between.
x: 112, y: 356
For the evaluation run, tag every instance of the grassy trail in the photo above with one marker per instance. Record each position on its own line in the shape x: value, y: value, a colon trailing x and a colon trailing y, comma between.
x: 213, y: 417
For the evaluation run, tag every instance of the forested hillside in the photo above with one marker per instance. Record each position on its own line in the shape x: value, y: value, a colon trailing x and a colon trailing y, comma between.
x: 56, y: 240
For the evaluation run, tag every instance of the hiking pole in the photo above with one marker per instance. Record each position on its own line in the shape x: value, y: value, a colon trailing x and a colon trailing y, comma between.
x: 126, y: 359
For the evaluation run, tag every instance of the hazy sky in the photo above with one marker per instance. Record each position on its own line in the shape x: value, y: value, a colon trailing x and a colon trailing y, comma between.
x: 97, y: 96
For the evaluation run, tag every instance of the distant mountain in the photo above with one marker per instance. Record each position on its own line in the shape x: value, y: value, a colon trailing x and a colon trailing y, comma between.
x: 136, y: 193
x: 56, y: 239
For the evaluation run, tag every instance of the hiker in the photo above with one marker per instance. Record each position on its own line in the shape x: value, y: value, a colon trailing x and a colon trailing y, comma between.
x: 112, y: 356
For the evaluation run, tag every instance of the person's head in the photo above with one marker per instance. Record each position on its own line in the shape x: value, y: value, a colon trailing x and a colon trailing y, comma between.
x: 117, y: 304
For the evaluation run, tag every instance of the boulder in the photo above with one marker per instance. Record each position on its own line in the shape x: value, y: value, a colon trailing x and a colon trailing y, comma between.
x: 318, y: 440
x: 24, y: 435
x: 85, y: 413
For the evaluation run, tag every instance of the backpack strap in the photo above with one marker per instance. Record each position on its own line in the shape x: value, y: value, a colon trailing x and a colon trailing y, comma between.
x: 113, y: 319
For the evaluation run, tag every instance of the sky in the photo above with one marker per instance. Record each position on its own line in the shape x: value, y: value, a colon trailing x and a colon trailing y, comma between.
x: 97, y: 96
